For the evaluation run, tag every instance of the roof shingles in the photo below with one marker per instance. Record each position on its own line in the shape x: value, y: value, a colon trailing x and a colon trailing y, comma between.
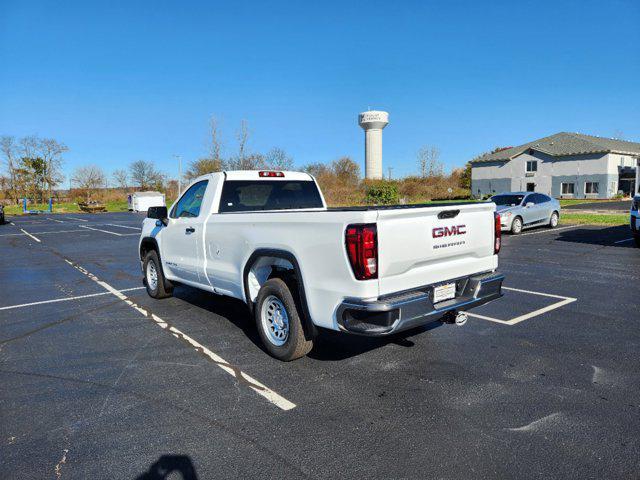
x: 565, y: 143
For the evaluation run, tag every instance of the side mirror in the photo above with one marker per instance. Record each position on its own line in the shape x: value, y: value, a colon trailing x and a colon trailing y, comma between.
x: 530, y: 204
x: 159, y: 213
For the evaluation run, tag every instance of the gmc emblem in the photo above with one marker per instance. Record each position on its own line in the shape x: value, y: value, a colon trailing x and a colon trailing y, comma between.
x: 449, y: 231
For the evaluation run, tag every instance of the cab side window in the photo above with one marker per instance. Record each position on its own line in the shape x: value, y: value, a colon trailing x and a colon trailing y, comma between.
x: 189, y: 204
x: 538, y: 198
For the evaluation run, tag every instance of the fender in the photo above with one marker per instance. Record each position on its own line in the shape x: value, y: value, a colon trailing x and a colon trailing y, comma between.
x: 310, y: 329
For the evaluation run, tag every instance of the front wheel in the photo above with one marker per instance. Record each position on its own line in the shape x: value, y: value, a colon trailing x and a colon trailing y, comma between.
x: 516, y: 226
x: 553, y: 221
x: 279, y: 323
x: 157, y: 286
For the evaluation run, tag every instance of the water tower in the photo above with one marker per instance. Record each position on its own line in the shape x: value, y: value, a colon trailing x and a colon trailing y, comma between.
x: 373, y: 122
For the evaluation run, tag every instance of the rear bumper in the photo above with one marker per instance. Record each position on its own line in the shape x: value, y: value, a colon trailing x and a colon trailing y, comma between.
x: 391, y: 314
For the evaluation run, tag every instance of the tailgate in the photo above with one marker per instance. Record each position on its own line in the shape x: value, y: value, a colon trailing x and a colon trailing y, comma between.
x: 422, y: 246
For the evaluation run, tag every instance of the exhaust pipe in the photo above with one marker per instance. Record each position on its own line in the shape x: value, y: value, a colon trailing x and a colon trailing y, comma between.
x: 461, y: 318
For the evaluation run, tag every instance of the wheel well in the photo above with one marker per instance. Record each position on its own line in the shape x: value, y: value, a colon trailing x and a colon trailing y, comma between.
x: 146, y: 246
x: 267, y: 264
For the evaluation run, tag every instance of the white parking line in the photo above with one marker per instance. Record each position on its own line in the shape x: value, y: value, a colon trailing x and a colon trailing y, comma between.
x: 122, y: 226
x: 42, y: 233
x: 563, y: 301
x: 78, y: 219
x: 54, y: 220
x: 235, y: 372
x: 623, y: 241
x: 66, y: 299
x: 551, y: 230
x: 27, y: 233
x: 99, y: 230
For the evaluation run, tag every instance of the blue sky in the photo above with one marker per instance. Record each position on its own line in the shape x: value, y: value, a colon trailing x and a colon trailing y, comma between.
x: 122, y: 81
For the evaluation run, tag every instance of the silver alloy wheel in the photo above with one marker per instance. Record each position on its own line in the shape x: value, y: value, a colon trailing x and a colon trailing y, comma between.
x: 152, y: 275
x: 517, y: 225
x: 554, y: 220
x: 275, y: 321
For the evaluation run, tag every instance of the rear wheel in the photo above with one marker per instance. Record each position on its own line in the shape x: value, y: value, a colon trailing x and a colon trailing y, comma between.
x: 516, y: 226
x: 553, y: 221
x: 279, y: 323
x: 157, y: 285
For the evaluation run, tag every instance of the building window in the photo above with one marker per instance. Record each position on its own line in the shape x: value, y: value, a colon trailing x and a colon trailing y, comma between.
x: 531, y: 187
x: 532, y: 166
x: 591, y: 187
x: 568, y: 188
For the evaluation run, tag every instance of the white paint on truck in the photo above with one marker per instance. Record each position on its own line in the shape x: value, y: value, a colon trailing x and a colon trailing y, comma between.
x: 416, y: 248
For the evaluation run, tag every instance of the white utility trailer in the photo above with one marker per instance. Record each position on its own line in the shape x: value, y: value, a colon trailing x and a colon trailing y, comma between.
x: 141, y: 201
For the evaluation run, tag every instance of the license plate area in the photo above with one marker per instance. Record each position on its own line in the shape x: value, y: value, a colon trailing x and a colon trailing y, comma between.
x: 444, y: 292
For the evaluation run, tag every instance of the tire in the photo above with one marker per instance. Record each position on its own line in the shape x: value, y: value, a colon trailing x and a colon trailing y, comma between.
x: 554, y: 219
x: 516, y: 226
x: 637, y: 240
x: 282, y: 335
x: 159, y: 287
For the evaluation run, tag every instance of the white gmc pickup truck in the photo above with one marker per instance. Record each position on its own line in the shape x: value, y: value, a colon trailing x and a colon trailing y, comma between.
x: 269, y: 239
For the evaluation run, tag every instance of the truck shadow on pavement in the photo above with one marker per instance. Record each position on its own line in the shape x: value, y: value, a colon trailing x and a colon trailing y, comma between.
x: 328, y: 346
x: 602, y: 236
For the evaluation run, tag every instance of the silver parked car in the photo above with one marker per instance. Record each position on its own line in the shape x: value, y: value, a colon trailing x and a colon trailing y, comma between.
x: 520, y: 210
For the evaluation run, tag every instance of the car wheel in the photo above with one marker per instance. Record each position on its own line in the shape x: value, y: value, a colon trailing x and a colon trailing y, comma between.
x: 637, y: 240
x: 279, y: 323
x: 516, y: 226
x: 553, y: 221
x: 157, y: 286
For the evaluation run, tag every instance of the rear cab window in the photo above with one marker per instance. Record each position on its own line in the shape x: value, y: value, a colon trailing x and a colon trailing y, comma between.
x: 259, y: 195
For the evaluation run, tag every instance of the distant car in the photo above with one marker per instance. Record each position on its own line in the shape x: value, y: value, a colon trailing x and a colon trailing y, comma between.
x: 634, y: 219
x: 1, y: 215
x: 520, y: 210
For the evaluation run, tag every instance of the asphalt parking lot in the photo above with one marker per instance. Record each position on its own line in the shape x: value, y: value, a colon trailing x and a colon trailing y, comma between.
x: 101, y: 381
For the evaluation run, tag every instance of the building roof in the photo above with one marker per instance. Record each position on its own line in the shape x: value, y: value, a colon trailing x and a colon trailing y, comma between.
x: 565, y: 143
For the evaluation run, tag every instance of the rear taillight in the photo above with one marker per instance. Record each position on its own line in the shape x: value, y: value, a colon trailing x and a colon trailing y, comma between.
x: 362, y: 249
x: 497, y: 239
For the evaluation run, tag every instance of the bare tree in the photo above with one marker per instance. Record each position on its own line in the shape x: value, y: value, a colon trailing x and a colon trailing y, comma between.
x: 8, y: 148
x: 121, y: 178
x: 346, y: 170
x: 243, y: 138
x: 429, y: 161
x: 278, y: 159
x: 145, y: 175
x: 202, y: 166
x: 51, y: 151
x: 215, y: 146
x: 88, y: 179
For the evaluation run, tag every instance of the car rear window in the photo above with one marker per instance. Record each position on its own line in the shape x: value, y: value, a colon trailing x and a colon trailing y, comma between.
x: 256, y: 195
x: 503, y: 200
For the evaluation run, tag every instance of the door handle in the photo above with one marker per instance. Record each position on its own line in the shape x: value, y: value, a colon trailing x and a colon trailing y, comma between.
x: 189, y: 230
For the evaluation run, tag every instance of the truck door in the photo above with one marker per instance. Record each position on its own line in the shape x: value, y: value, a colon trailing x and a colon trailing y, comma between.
x: 182, y: 237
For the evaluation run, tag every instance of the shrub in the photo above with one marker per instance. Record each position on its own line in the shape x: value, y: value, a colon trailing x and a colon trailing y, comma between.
x: 381, y: 193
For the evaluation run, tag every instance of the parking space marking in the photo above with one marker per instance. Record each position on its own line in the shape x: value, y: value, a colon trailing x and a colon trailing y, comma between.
x: 122, y: 226
x: 28, y: 234
x: 42, y: 233
x: 548, y: 231
x: 563, y: 301
x: 99, y: 230
x: 242, y: 378
x: 54, y: 220
x: 623, y: 241
x: 67, y: 299
x: 78, y: 219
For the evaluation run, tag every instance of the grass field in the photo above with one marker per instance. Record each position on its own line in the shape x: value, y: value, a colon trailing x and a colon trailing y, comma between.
x: 594, y: 219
